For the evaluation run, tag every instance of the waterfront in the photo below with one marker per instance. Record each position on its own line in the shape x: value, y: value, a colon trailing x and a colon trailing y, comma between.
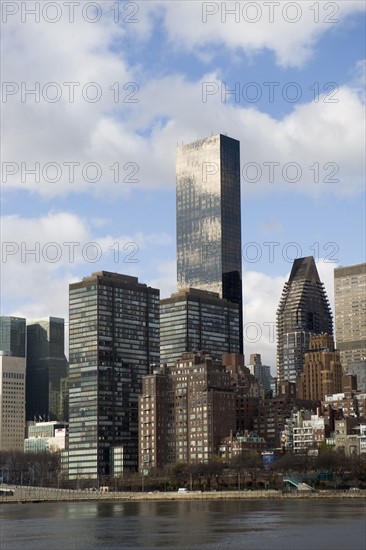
x: 23, y: 494
x: 304, y: 524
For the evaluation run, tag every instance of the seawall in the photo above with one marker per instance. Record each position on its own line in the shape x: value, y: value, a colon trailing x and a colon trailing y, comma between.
x: 39, y: 494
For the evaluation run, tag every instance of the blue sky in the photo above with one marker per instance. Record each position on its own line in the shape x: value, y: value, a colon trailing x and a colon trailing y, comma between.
x: 157, y: 77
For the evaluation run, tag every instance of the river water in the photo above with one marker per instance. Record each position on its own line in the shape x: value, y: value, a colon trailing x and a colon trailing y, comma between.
x: 247, y: 525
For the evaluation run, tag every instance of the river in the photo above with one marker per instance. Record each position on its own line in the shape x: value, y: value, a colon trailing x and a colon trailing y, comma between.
x: 247, y: 525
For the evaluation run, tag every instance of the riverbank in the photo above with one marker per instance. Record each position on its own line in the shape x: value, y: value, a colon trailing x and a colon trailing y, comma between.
x: 40, y: 494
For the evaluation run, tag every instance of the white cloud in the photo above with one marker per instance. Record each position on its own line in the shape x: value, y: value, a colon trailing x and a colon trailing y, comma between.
x: 165, y: 278
x: 271, y: 226
x: 318, y: 148
x: 41, y: 256
x: 261, y: 297
x: 291, y: 32
x: 140, y: 137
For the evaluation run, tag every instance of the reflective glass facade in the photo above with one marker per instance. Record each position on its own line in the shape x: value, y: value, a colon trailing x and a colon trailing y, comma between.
x: 303, y: 310
x: 12, y: 335
x: 114, y: 336
x: 209, y: 218
x: 47, y: 368
x: 195, y: 320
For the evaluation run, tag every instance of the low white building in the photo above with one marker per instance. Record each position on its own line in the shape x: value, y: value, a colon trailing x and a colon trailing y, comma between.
x: 45, y: 436
x: 304, y: 431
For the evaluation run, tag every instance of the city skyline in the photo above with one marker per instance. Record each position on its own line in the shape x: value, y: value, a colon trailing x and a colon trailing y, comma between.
x: 292, y: 99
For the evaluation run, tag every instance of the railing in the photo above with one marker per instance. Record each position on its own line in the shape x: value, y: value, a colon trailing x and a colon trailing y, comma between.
x: 298, y: 483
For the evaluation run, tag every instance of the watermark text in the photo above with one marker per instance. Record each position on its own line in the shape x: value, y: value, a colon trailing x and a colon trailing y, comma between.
x: 70, y: 12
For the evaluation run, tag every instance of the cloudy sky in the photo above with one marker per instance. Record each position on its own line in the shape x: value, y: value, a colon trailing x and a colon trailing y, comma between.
x: 97, y: 95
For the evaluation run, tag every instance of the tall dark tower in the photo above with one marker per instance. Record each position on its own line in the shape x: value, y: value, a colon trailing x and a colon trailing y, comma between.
x: 47, y: 369
x: 114, y: 337
x: 209, y: 219
x: 303, y: 310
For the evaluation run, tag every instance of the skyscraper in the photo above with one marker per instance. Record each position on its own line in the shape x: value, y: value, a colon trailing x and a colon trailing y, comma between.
x: 12, y: 383
x: 322, y: 374
x: 188, y: 409
x: 47, y: 368
x: 156, y: 420
x: 114, y: 337
x: 195, y: 320
x: 303, y: 310
x: 12, y: 336
x: 261, y: 372
x: 209, y: 218
x: 350, y: 313
x: 12, y: 402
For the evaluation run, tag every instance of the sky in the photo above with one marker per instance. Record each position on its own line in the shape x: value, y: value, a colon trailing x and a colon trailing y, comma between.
x: 97, y: 95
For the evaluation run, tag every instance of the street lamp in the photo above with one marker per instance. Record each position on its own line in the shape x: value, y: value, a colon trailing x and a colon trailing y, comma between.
x: 31, y: 469
x: 8, y: 476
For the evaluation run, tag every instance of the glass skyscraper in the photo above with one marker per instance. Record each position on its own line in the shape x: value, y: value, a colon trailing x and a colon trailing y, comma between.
x: 114, y: 337
x: 12, y: 336
x: 209, y: 218
x: 47, y: 369
x: 303, y: 310
x: 197, y: 320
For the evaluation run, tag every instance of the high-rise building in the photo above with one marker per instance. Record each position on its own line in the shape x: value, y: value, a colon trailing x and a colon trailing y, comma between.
x: 261, y: 372
x: 322, y: 374
x: 12, y: 403
x: 156, y: 420
x: 350, y: 313
x: 46, y: 369
x: 204, y: 405
x: 12, y: 336
x: 196, y: 410
x: 249, y: 392
x: 303, y: 310
x: 196, y: 320
x: 209, y: 254
x: 114, y: 337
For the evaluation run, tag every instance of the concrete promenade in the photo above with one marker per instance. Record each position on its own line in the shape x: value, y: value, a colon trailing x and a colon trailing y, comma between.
x: 23, y: 494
